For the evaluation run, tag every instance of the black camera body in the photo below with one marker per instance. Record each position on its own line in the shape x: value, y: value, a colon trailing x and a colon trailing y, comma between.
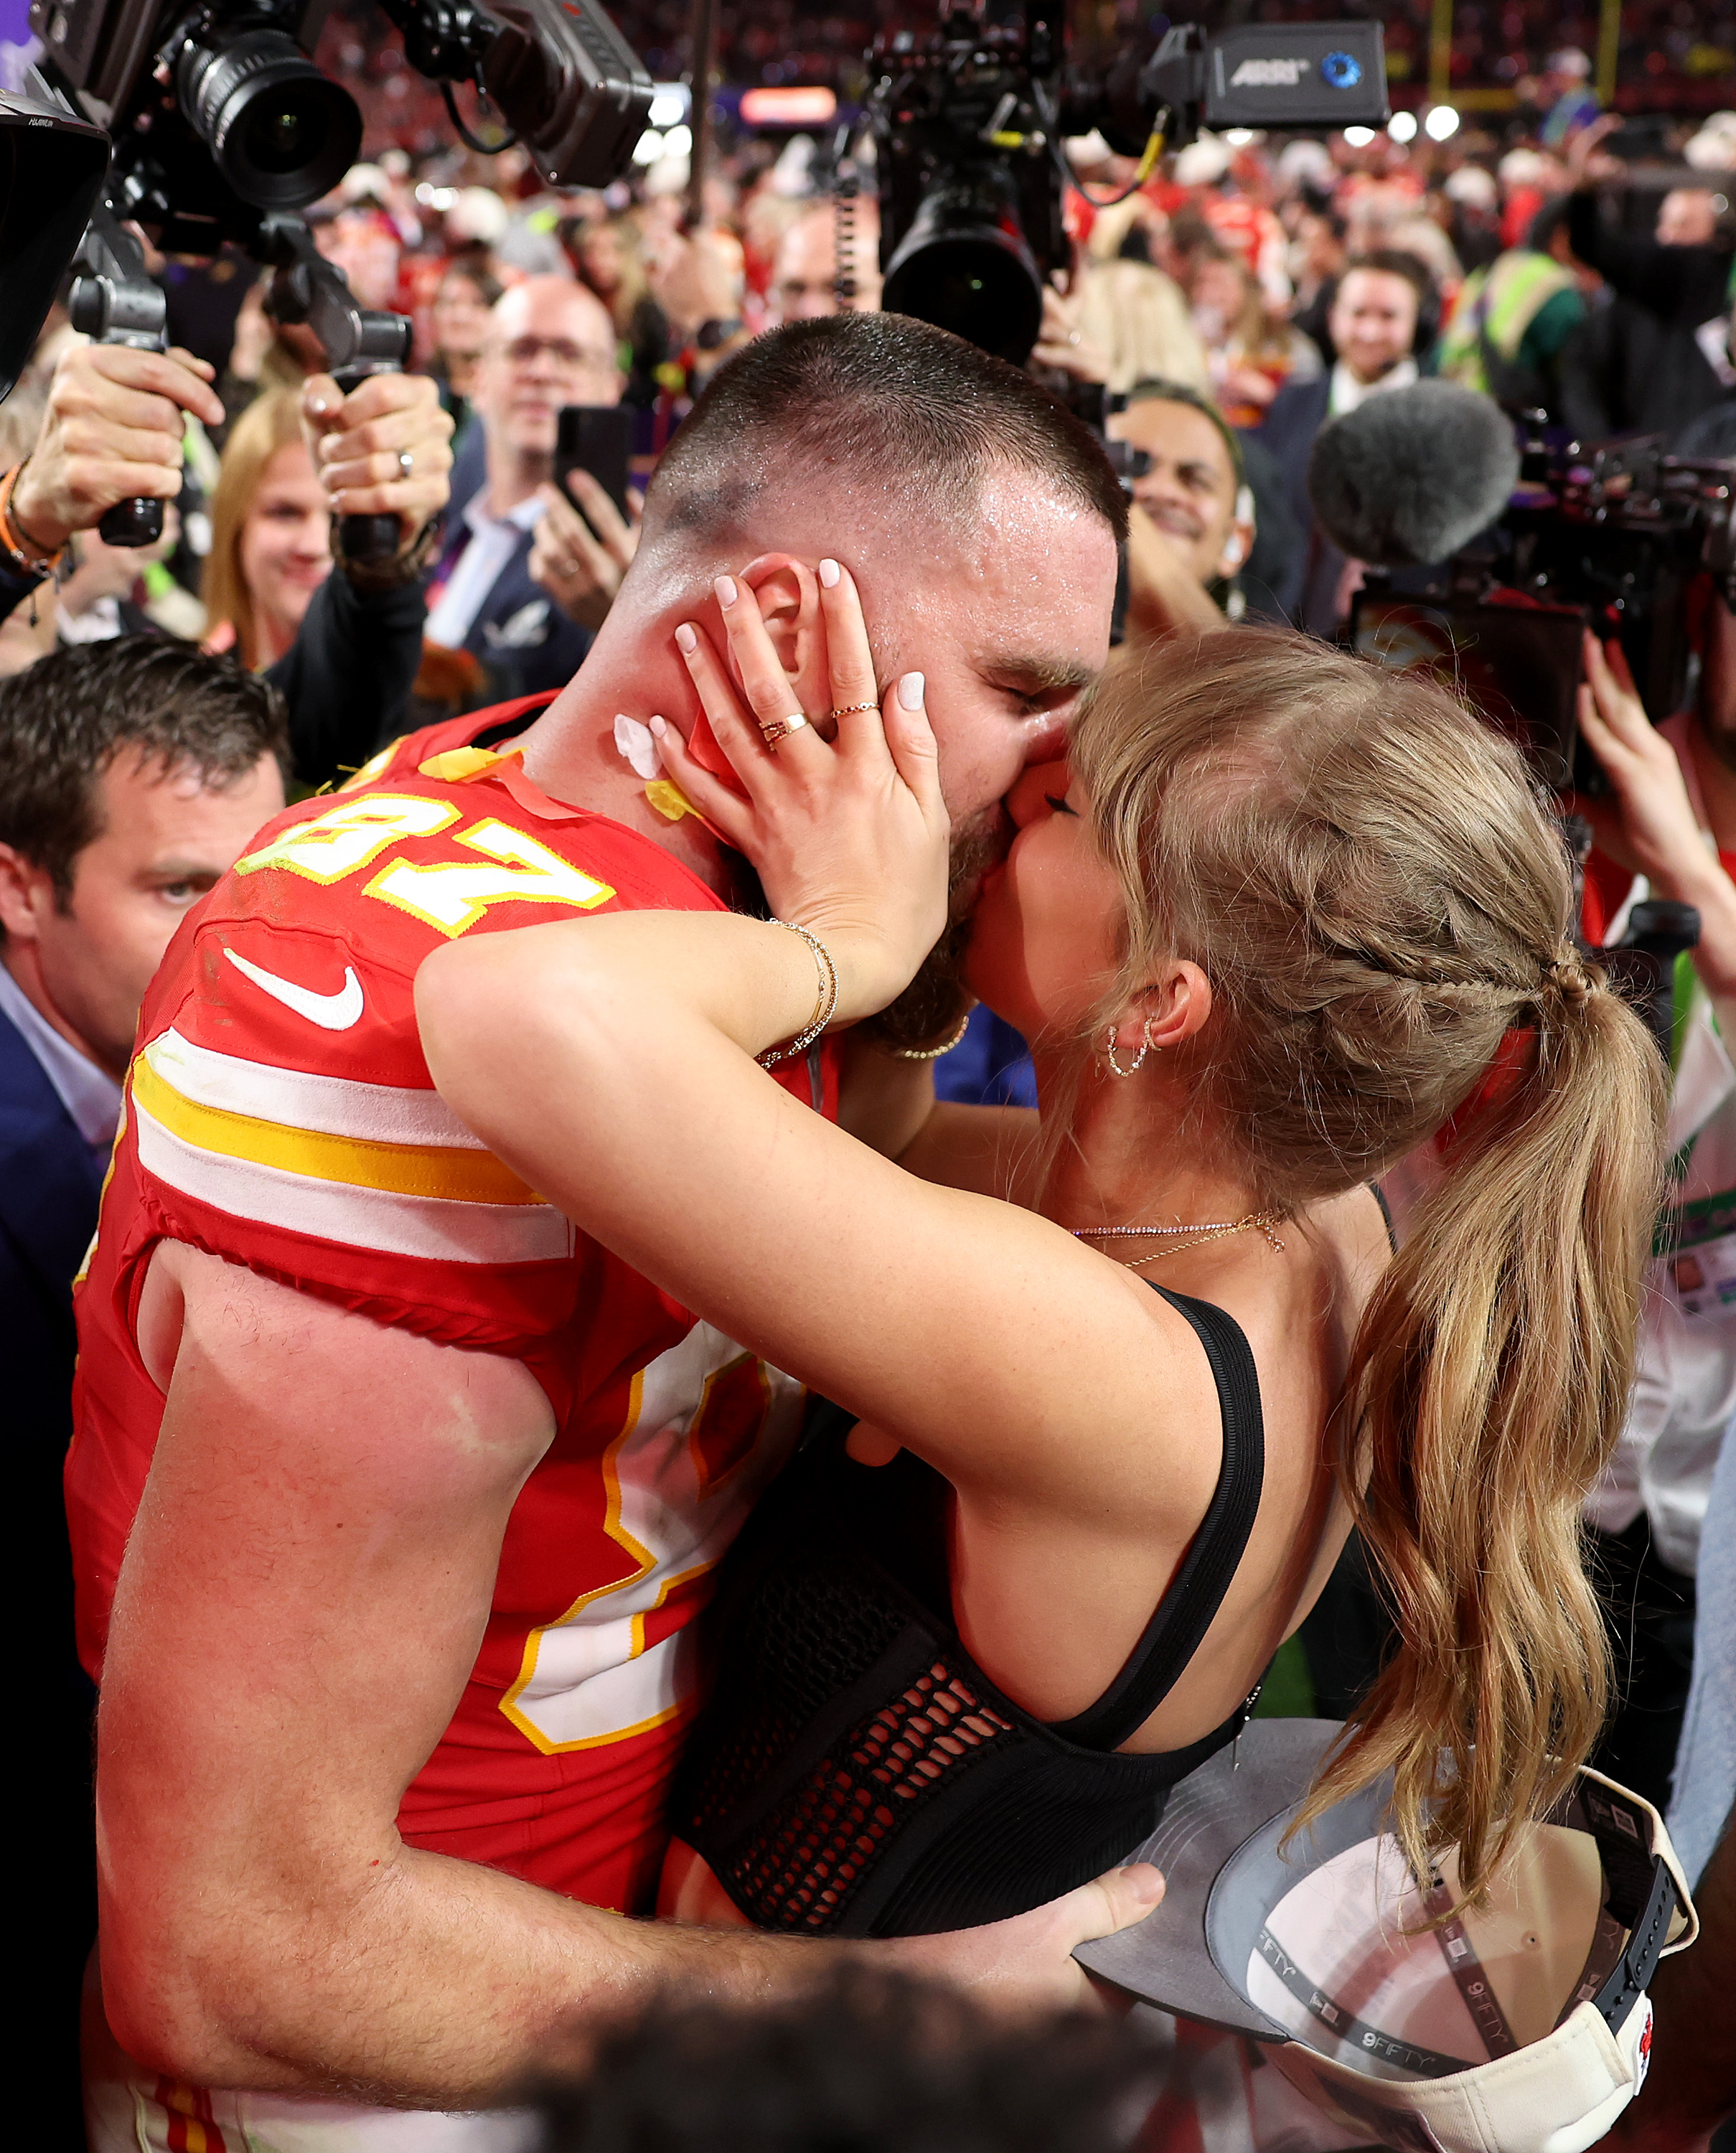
x: 969, y: 122
x: 219, y: 116
x: 223, y: 128
x: 1614, y: 538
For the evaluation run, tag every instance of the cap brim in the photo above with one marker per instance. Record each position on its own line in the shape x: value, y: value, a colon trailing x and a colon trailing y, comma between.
x: 1165, y: 1959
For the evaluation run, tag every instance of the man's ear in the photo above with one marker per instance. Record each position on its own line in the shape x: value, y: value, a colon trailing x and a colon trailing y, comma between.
x: 21, y: 894
x: 788, y: 592
x: 1240, y: 544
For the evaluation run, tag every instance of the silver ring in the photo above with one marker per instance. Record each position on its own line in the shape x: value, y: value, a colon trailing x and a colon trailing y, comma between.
x: 407, y: 463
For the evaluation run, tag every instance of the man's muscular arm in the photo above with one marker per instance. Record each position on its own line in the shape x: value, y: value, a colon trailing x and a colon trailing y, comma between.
x: 302, y: 1598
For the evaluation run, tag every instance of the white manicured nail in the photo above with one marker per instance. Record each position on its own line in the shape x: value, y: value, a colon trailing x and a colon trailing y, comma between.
x: 829, y: 573
x: 910, y: 691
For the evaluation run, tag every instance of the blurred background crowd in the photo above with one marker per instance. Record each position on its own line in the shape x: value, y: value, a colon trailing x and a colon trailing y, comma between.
x: 1550, y: 218
x: 1549, y: 221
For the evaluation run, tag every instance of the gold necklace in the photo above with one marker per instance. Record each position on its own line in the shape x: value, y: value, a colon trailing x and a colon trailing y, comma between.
x: 1185, y: 1237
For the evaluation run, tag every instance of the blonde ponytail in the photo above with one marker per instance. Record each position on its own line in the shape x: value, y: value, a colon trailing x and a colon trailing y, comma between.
x: 1489, y: 1383
x: 1382, y: 901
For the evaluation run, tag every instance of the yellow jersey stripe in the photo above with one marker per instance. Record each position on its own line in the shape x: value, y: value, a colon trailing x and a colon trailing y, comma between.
x: 356, y: 1218
x: 465, y: 1177
x: 301, y: 1099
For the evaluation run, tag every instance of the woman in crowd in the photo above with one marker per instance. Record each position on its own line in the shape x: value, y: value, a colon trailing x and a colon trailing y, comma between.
x: 1251, y: 352
x: 1265, y: 936
x: 459, y: 322
x: 609, y: 258
x: 344, y: 648
x: 270, y: 534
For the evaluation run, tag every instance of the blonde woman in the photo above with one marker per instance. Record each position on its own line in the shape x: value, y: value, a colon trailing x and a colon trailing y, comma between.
x: 344, y: 650
x: 1264, y: 937
x: 270, y: 534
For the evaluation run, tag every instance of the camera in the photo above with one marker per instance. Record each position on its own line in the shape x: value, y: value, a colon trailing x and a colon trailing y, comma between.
x: 218, y: 113
x: 223, y: 127
x: 1617, y: 538
x: 969, y: 121
x: 52, y: 167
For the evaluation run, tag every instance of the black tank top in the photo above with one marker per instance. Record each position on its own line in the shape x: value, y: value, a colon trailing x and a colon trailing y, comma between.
x: 854, y: 1773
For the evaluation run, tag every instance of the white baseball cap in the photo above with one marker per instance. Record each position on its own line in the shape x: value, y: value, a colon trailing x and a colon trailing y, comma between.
x: 1522, y: 2027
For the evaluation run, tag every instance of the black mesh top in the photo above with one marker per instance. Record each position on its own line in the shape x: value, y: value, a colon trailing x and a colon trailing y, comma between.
x: 854, y: 1772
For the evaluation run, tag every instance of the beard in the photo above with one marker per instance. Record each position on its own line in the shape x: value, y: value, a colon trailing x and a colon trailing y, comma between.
x: 936, y: 1002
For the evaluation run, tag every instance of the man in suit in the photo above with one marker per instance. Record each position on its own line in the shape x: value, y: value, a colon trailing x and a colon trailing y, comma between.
x: 132, y: 774
x: 1374, y: 328
x: 550, y: 343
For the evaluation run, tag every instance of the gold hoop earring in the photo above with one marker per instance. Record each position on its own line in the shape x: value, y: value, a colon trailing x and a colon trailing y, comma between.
x: 1109, y: 1052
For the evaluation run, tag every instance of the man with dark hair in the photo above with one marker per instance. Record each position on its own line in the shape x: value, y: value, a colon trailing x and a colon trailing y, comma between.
x: 131, y: 775
x: 456, y: 1486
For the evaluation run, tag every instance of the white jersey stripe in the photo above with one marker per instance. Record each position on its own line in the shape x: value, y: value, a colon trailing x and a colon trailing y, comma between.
x: 297, y: 1099
x: 434, y: 1227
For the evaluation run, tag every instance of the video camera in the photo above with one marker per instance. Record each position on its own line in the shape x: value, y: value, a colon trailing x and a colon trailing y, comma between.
x: 1613, y: 538
x: 223, y: 128
x: 969, y: 122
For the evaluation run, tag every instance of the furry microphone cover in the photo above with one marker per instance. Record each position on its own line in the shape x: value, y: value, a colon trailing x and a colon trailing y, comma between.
x: 1413, y: 474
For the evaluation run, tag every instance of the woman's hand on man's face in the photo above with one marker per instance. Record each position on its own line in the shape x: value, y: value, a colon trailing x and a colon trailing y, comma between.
x: 850, y: 836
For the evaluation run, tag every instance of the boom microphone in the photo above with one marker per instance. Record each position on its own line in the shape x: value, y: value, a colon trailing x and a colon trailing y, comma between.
x: 1413, y: 474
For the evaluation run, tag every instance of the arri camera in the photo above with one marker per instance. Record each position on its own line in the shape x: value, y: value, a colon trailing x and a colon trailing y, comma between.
x: 969, y: 122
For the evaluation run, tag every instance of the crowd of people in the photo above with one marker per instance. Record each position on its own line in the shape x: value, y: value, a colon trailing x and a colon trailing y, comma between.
x: 1123, y: 905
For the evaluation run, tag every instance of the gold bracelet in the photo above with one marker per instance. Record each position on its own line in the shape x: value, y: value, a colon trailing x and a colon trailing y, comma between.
x: 946, y: 1046
x: 825, y: 1003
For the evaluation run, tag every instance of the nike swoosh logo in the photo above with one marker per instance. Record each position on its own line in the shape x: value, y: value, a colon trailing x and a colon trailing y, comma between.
x: 331, y: 1012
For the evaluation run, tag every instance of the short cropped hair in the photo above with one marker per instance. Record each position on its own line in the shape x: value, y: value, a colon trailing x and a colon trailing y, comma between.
x: 889, y: 401
x: 65, y: 719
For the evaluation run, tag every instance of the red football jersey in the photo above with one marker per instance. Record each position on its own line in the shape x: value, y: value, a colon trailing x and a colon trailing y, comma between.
x: 279, y: 1114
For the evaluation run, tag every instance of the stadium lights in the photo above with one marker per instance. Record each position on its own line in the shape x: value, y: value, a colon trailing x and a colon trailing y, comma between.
x: 1403, y: 127
x: 1359, y: 138
x: 810, y: 104
x: 648, y: 148
x: 1441, y: 123
x: 669, y: 104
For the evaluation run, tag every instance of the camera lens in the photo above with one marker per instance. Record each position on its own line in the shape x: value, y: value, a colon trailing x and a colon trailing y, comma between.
x: 280, y: 133
x: 1341, y: 70
x: 964, y: 266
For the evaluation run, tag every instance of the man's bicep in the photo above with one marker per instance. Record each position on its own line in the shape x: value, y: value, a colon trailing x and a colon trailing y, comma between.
x: 306, y: 1580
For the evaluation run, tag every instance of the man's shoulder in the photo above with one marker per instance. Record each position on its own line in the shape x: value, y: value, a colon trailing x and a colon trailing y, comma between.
x: 281, y: 1101
x: 440, y: 835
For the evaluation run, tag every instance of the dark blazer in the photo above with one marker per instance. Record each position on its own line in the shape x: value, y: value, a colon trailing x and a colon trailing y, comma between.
x: 1287, y: 433
x: 49, y: 1182
x: 527, y: 645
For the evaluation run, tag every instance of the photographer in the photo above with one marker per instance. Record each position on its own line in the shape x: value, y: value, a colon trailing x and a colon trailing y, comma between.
x: 1192, y: 529
x: 113, y: 432
x: 1671, y: 818
x: 1683, y: 289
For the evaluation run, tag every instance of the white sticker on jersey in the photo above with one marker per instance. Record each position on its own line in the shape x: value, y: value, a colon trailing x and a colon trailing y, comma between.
x: 707, y: 1428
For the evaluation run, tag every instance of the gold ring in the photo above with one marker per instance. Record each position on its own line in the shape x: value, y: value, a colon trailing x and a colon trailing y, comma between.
x: 848, y: 709
x: 773, y: 729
